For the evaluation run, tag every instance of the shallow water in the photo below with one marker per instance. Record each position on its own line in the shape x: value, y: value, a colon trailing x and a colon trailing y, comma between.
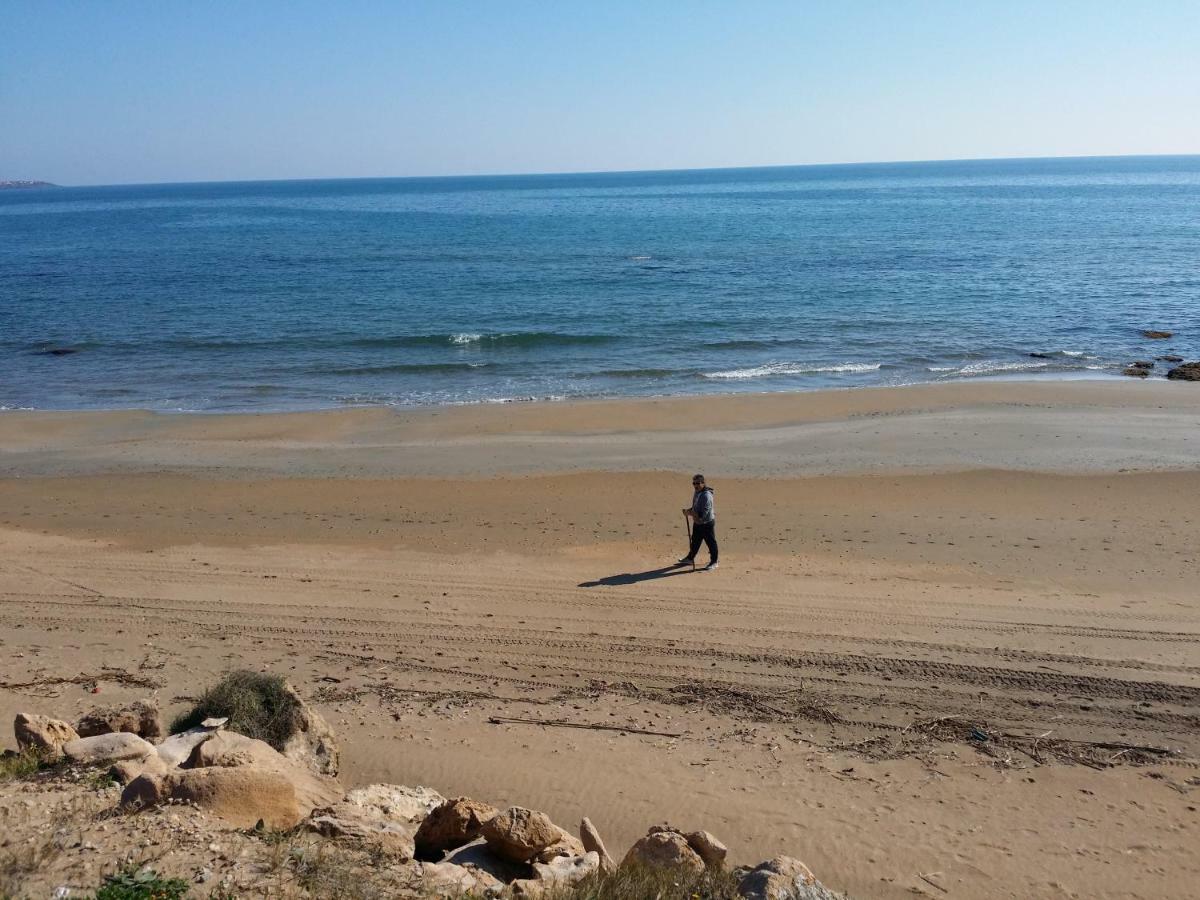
x: 280, y: 295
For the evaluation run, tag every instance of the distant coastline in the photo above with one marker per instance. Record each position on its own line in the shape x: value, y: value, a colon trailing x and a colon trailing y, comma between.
x: 18, y: 185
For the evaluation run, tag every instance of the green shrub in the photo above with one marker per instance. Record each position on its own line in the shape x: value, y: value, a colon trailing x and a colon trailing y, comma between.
x: 258, y: 705
x: 141, y: 884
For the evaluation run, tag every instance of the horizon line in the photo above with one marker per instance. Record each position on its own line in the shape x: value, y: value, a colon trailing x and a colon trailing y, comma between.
x: 596, y: 172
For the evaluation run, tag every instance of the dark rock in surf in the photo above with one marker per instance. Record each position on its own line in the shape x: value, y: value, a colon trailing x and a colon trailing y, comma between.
x: 1171, y: 358
x: 1186, y: 372
x: 1136, y: 372
x: 1042, y: 355
x: 1157, y: 335
x: 1141, y: 364
x: 57, y: 351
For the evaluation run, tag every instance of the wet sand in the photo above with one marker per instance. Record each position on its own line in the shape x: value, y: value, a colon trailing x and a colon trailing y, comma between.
x: 951, y: 629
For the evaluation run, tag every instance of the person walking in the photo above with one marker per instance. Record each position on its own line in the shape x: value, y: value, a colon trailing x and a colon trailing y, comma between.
x: 704, y: 523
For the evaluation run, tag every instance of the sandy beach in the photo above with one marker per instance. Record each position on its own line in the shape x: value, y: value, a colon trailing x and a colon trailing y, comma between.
x: 953, y: 627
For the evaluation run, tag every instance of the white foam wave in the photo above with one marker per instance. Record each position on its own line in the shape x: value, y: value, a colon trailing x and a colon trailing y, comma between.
x: 990, y: 366
x: 792, y: 369
x: 465, y: 338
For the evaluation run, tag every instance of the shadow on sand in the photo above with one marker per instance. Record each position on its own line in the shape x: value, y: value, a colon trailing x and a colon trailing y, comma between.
x: 635, y: 577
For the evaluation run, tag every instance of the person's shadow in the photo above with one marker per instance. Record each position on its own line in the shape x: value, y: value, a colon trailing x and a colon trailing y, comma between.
x: 636, y: 577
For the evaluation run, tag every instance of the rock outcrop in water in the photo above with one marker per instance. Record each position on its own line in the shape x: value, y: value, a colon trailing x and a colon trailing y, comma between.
x: 1187, y: 372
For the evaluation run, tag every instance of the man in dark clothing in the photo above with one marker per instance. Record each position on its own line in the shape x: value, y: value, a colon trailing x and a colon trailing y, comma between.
x: 704, y: 523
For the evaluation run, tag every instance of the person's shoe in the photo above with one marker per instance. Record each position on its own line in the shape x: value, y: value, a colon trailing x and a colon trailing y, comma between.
x: 709, y: 567
x: 686, y: 561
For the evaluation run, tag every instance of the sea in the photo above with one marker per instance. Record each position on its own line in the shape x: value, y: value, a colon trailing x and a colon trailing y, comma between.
x: 286, y: 295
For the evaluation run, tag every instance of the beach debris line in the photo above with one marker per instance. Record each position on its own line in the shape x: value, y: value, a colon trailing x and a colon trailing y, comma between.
x: 560, y: 723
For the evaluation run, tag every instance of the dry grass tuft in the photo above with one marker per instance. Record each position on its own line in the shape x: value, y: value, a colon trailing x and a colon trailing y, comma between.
x: 258, y: 705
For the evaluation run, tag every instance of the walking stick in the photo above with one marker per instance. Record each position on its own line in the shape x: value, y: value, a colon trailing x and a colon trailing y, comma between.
x: 688, y: 524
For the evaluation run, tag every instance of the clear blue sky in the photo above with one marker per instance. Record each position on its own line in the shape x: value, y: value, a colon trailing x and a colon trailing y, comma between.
x: 111, y: 91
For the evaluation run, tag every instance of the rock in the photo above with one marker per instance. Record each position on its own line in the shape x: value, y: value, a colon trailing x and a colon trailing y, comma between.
x: 783, y: 878
x: 126, y: 770
x: 229, y: 750
x: 313, y: 745
x: 567, y: 870
x: 1187, y: 372
x: 242, y: 795
x: 590, y: 838
x: 1142, y: 364
x: 452, y: 824
x: 479, y: 855
x: 448, y: 880
x: 1042, y: 355
x: 178, y: 747
x: 42, y: 735
x: 708, y: 848
x: 107, y: 748
x: 1171, y: 358
x: 664, y: 850
x: 386, y: 815
x: 566, y: 845
x: 519, y: 834
x: 143, y: 791
x: 140, y: 717
x: 1158, y: 335
x: 1134, y: 372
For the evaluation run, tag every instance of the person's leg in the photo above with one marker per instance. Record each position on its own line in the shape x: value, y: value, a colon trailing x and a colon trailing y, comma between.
x: 710, y: 539
x: 697, y: 537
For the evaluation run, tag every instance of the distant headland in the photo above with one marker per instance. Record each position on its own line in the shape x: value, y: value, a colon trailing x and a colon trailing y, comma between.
x: 14, y: 185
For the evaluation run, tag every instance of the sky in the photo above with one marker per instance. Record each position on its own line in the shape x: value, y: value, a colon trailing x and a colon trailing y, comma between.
x: 122, y: 91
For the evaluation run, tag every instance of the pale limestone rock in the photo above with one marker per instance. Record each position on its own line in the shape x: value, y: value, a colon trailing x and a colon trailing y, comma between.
x: 590, y: 838
x: 314, y: 744
x: 784, y: 878
x: 42, y: 735
x: 383, y: 814
x: 519, y: 834
x: 664, y: 850
x: 448, y: 880
x: 107, y: 748
x: 230, y: 750
x: 175, y: 750
x: 127, y: 770
x: 242, y: 796
x: 565, y: 871
x: 712, y: 851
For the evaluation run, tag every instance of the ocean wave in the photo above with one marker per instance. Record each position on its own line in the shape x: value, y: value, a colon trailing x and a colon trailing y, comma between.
x: 407, y: 368
x: 633, y: 373
x: 499, y: 339
x: 773, y: 369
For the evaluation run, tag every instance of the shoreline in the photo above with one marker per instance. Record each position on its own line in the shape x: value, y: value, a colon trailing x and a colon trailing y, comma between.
x: 993, y: 379
x: 1065, y: 427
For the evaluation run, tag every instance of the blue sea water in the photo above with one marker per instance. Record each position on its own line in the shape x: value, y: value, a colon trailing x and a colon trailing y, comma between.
x: 310, y: 294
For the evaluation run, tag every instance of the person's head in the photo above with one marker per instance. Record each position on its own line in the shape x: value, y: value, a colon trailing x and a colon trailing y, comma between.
x: 698, y: 482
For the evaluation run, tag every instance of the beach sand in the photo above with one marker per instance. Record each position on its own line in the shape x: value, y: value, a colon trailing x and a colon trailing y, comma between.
x: 943, y: 616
